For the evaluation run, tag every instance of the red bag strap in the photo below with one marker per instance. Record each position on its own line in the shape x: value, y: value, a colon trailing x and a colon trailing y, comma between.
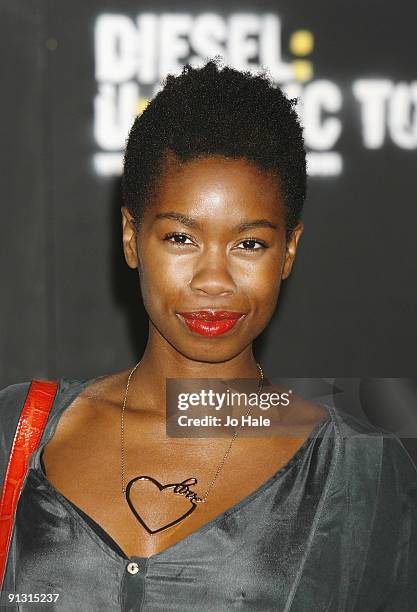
x: 28, y: 434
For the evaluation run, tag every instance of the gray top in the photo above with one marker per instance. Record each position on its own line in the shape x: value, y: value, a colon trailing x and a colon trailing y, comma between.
x: 334, y: 529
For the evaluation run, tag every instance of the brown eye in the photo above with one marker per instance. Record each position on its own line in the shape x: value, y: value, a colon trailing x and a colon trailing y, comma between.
x: 178, y: 239
x: 252, y: 244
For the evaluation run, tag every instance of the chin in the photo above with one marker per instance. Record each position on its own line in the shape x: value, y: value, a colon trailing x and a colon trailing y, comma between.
x: 210, y: 353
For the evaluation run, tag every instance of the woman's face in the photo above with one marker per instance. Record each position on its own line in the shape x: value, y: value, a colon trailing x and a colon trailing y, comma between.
x: 211, y: 246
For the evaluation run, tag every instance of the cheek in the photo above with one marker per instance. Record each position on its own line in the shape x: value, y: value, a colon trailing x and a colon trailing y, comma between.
x: 162, y: 279
x: 262, y: 281
x: 261, y: 288
x: 263, y: 292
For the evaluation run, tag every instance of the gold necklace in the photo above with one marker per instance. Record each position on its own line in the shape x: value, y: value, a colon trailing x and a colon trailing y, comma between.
x: 179, y: 488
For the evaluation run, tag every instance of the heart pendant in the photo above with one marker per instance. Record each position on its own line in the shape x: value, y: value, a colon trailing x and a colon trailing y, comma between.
x: 179, y: 488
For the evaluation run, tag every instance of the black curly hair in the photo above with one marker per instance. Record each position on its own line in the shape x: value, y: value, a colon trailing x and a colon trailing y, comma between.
x: 217, y: 110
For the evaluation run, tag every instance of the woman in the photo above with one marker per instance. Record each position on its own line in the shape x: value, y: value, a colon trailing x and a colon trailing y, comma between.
x: 320, y: 517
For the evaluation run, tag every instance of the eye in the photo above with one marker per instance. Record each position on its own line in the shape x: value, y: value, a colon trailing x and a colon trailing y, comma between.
x: 252, y: 244
x: 178, y: 239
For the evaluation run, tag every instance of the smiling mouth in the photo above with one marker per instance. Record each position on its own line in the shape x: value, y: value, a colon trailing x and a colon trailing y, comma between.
x: 211, y: 322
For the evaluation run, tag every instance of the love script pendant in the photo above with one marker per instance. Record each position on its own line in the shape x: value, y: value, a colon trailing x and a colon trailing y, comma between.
x: 179, y: 488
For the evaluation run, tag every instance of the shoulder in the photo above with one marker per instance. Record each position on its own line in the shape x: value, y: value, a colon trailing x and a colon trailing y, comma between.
x: 11, y: 403
x: 12, y: 399
x: 374, y: 456
x: 106, y: 388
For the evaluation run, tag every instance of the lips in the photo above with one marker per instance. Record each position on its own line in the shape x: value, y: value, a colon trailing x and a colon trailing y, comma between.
x: 211, y: 322
x: 211, y: 315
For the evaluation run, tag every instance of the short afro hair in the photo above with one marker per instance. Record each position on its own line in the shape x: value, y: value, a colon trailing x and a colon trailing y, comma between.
x: 216, y: 110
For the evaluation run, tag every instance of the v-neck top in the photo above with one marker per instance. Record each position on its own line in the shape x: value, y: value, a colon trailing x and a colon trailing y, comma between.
x: 334, y: 529
x: 90, y: 521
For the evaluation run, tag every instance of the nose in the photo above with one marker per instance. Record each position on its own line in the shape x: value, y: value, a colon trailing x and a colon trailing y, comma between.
x: 211, y: 274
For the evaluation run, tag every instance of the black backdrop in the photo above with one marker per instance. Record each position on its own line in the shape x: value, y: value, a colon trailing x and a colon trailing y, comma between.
x: 70, y: 307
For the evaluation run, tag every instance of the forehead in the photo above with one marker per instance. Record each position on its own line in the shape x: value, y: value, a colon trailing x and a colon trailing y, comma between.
x: 218, y: 185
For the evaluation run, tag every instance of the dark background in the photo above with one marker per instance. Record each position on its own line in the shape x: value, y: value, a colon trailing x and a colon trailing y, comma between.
x: 71, y: 307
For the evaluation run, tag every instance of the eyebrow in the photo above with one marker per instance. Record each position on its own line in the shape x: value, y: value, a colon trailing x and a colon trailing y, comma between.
x: 190, y: 222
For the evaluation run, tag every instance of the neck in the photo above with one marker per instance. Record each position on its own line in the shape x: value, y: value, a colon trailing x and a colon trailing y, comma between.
x: 161, y: 361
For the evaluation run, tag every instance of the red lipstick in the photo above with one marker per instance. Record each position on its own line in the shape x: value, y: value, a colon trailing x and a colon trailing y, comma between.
x: 211, y: 322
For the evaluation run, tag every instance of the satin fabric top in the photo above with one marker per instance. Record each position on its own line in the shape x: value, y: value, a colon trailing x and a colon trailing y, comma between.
x: 335, y: 530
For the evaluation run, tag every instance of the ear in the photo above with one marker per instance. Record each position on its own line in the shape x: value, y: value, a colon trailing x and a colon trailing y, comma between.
x: 129, y: 238
x: 291, y: 250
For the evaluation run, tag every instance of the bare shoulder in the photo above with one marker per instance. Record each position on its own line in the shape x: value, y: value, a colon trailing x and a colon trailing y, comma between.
x: 301, y: 415
x: 107, y: 388
x: 97, y: 403
x: 305, y: 415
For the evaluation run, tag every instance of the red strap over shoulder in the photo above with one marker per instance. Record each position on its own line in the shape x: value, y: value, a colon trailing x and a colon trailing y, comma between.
x: 29, y: 431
